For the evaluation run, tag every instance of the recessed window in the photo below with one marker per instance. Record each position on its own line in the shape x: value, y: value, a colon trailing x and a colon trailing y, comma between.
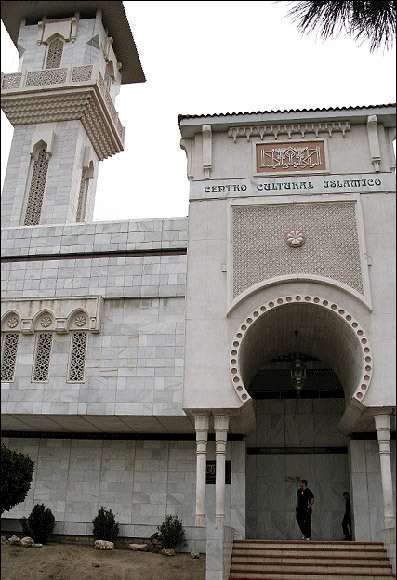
x: 9, y: 356
x: 37, y: 188
x: 54, y: 53
x: 76, y: 372
x: 42, y: 357
x: 82, y: 203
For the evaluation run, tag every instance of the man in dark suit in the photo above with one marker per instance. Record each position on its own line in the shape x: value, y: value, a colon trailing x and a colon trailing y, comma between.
x: 346, y: 522
x: 305, y: 501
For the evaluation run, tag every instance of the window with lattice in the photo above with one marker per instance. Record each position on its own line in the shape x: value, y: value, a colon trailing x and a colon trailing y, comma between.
x: 9, y: 356
x: 42, y: 357
x: 37, y: 187
x: 54, y: 53
x: 82, y: 202
x: 76, y: 373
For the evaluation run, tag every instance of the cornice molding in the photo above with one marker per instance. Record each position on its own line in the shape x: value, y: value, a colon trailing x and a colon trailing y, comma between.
x: 290, y: 129
x: 57, y: 99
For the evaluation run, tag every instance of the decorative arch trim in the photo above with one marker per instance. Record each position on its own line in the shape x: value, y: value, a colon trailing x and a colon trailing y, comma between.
x: 10, y: 321
x: 288, y: 278
x: 63, y: 314
x: 78, y: 319
x: 43, y: 320
x: 361, y: 336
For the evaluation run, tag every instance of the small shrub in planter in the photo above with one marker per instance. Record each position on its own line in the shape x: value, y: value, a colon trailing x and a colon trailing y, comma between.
x: 171, y: 532
x: 40, y: 524
x: 105, y: 526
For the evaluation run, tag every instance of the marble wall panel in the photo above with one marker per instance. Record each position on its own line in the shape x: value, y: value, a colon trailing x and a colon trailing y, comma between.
x: 271, y: 510
x: 141, y: 481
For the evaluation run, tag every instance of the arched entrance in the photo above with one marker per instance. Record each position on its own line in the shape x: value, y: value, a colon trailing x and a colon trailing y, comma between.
x: 296, y: 434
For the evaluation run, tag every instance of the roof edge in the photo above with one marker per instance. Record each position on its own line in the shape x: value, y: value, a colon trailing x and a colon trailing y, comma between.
x: 222, y: 116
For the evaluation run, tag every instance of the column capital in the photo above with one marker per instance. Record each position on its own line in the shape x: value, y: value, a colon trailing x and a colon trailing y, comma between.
x: 221, y: 422
x: 201, y: 422
x: 382, y: 421
x: 375, y: 411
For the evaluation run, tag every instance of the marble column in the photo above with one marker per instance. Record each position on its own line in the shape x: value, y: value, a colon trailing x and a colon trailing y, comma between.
x: 382, y: 422
x: 221, y: 427
x: 201, y: 423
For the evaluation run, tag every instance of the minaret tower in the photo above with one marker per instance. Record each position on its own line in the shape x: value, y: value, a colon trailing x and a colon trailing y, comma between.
x: 73, y: 57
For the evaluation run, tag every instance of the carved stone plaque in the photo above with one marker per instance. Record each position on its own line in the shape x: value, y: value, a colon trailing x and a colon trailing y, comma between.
x: 290, y: 157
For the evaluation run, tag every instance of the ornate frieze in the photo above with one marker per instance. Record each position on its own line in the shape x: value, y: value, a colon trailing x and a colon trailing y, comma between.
x: 11, y: 80
x: 329, y: 246
x: 60, y: 315
x: 290, y: 129
x: 43, y: 78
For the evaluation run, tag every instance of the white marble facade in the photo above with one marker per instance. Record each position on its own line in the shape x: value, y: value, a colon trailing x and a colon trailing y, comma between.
x: 191, y: 309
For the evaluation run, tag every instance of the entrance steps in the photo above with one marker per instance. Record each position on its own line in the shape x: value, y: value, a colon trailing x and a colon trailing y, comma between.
x: 309, y: 560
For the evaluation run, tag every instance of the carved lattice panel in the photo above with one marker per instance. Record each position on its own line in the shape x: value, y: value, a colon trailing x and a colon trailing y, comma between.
x: 9, y: 356
x: 42, y: 358
x: 77, y: 357
x: 262, y: 249
x: 37, y: 188
x: 54, y: 53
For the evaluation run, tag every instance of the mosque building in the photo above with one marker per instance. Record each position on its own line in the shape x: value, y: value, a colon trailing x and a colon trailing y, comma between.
x: 198, y: 365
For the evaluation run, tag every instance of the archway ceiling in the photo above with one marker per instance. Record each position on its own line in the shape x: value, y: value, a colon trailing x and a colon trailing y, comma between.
x: 321, y: 334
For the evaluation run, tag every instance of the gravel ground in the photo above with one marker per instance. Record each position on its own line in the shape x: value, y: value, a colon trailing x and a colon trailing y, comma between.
x: 71, y: 562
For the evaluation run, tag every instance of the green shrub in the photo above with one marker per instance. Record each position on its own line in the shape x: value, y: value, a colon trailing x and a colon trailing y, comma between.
x: 105, y: 526
x: 171, y: 532
x: 16, y: 475
x: 40, y: 524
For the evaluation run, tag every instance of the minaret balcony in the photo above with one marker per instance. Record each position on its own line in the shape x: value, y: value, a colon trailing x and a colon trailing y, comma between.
x: 64, y: 94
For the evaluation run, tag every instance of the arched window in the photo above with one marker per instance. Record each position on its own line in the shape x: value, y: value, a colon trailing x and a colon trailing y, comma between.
x: 54, y: 53
x: 42, y: 357
x: 109, y: 75
x: 86, y: 175
x: 37, y: 187
x: 76, y: 372
x: 9, y: 356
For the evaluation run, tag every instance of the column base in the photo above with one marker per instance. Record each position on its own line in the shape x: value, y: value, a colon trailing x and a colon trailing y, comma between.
x: 220, y: 520
x: 200, y: 520
x: 390, y: 522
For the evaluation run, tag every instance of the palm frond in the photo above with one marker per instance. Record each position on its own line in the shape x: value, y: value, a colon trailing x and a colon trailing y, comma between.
x: 374, y: 20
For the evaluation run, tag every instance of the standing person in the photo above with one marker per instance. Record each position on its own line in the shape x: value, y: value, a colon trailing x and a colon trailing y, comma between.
x: 305, y: 501
x: 347, y: 522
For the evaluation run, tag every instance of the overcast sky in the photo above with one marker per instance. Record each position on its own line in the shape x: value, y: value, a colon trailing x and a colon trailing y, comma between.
x: 207, y: 57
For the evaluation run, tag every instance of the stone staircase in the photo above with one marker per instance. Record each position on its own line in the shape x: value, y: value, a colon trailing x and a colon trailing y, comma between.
x: 309, y: 560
